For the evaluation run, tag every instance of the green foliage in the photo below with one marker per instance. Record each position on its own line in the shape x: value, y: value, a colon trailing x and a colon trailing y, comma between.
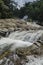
x: 6, y: 2
x: 4, y: 10
x: 34, y: 10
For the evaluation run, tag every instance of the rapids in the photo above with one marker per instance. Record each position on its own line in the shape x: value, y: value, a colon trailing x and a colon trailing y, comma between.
x: 29, y: 36
x: 21, y: 39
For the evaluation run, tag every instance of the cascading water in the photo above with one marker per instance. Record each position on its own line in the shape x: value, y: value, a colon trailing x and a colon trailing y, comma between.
x: 21, y: 39
x: 30, y: 36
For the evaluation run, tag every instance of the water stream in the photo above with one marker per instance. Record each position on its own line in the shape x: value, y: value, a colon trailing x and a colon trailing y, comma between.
x: 22, y: 39
x: 29, y: 36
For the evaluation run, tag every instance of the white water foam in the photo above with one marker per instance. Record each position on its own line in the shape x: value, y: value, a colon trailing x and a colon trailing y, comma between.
x: 23, y: 39
x: 16, y: 43
x: 35, y: 61
x: 30, y: 36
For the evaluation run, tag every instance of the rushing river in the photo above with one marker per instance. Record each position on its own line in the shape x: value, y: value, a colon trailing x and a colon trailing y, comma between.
x: 29, y: 36
x: 22, y: 39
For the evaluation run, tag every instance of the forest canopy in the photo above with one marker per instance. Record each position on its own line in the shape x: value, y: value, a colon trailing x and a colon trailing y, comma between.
x: 34, y: 10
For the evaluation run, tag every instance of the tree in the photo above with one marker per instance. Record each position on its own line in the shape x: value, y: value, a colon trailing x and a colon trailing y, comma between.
x: 5, y: 12
x: 34, y: 11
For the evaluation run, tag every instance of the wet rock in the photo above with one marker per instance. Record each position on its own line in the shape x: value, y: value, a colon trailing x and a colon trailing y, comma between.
x: 5, y: 25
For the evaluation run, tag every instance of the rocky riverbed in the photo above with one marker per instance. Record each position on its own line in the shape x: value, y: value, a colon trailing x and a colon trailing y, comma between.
x: 9, y: 25
x: 17, y: 24
x: 21, y: 43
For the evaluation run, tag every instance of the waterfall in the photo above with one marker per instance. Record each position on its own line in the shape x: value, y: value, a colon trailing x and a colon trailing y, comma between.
x: 29, y: 36
x: 20, y: 39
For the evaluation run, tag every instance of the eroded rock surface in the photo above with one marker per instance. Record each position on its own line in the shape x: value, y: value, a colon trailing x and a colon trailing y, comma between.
x: 9, y: 25
x: 21, y: 30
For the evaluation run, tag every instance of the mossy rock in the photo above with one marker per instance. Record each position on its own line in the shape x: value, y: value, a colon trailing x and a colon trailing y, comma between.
x: 6, y: 53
